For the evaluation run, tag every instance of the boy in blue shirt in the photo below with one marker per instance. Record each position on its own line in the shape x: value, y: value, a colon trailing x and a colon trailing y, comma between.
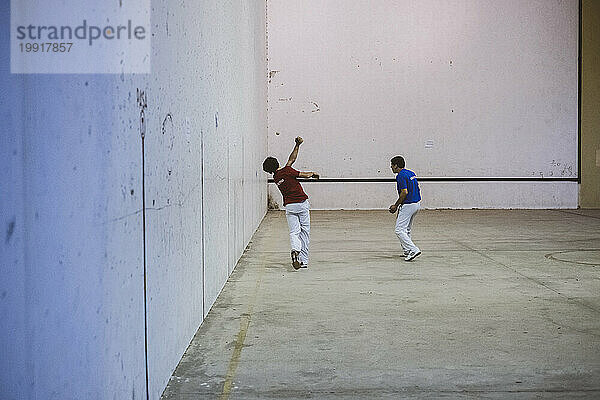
x: 408, y: 203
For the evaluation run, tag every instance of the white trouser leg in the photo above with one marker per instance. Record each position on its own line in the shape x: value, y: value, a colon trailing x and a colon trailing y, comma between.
x: 299, y: 223
x: 408, y: 229
x: 294, y: 225
x: 404, y: 220
x: 304, y: 217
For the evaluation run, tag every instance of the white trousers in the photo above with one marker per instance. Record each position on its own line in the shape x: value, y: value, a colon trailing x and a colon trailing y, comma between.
x: 406, y: 214
x: 298, y: 218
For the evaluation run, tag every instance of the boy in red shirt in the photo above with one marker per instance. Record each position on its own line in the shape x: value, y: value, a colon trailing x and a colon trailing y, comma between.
x: 295, y: 202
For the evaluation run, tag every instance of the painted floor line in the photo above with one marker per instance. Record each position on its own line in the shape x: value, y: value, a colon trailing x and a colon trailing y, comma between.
x: 239, y: 343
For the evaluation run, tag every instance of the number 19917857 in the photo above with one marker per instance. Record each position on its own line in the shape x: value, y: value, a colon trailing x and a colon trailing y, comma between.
x: 45, y: 47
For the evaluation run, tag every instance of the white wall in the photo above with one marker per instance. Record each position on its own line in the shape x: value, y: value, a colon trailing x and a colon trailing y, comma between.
x: 72, y: 293
x: 471, y: 88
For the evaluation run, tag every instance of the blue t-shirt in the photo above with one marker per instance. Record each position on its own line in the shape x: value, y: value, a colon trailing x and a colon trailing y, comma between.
x: 406, y: 179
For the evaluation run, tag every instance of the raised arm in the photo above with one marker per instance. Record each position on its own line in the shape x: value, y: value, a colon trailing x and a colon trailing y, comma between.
x: 294, y: 154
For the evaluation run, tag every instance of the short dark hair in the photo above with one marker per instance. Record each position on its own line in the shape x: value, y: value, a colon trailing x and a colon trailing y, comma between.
x: 270, y: 165
x: 398, y: 161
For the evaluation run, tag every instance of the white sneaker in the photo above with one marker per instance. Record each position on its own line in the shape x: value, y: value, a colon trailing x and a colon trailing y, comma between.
x: 412, y: 255
x: 406, y: 253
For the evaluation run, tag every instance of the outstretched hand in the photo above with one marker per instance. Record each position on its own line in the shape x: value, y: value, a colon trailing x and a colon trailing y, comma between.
x: 315, y: 176
x: 299, y: 140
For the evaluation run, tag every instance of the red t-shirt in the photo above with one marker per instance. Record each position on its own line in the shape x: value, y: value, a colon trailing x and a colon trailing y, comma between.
x: 290, y: 188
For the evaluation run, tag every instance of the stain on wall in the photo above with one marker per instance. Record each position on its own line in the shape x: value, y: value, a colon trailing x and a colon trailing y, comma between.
x: 10, y: 230
x: 142, y: 102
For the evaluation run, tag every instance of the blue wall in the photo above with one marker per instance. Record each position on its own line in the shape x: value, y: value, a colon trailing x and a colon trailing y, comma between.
x: 72, y: 288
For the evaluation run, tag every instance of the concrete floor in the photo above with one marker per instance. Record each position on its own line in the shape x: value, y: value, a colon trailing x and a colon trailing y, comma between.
x: 501, y: 305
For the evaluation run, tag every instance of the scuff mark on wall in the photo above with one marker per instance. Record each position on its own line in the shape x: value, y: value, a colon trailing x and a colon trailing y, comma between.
x: 317, y: 108
x: 10, y: 230
x: 555, y: 168
x: 568, y: 169
x: 168, y: 118
x: 167, y: 125
x: 167, y: 22
x: 272, y: 74
x: 143, y: 104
